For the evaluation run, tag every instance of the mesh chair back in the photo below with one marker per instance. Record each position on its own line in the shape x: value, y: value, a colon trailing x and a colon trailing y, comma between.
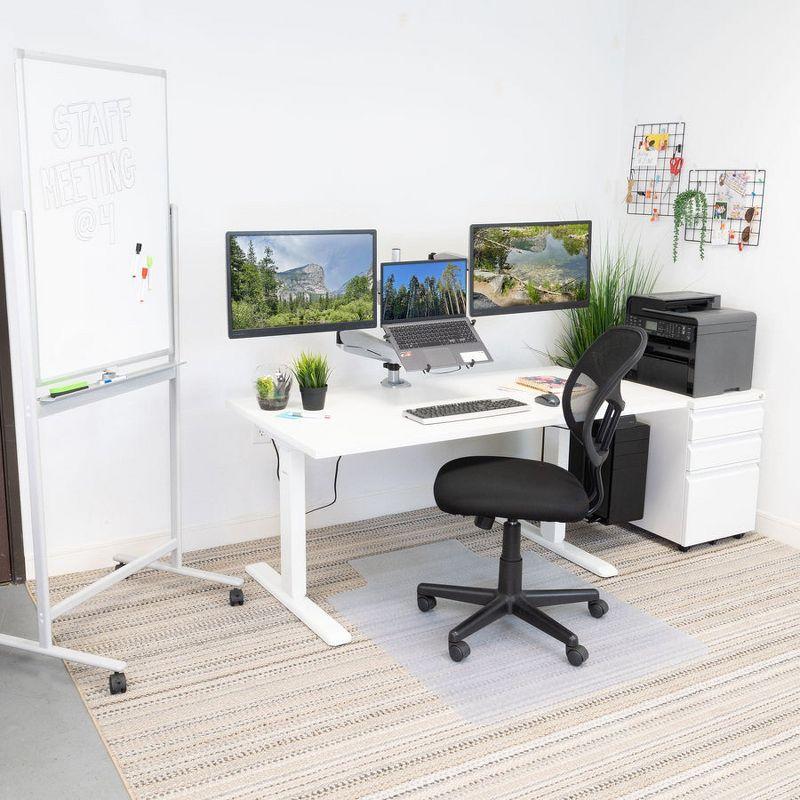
x: 595, y: 381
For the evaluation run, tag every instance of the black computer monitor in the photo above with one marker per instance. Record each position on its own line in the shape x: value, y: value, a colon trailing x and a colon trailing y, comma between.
x: 300, y: 281
x: 529, y: 266
x: 423, y: 289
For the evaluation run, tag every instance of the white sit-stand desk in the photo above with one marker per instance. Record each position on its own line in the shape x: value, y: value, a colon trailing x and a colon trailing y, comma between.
x: 367, y: 418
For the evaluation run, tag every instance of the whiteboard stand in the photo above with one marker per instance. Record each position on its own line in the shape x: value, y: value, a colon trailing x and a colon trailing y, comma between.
x: 35, y: 408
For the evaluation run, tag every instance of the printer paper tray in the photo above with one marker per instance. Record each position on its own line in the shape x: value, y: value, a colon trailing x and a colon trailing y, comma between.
x: 664, y: 373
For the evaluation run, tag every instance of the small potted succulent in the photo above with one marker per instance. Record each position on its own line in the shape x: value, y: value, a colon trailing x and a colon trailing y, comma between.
x: 272, y: 387
x: 312, y: 373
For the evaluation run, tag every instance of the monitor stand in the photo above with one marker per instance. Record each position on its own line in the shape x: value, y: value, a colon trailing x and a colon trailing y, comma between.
x: 393, y: 379
x: 367, y: 345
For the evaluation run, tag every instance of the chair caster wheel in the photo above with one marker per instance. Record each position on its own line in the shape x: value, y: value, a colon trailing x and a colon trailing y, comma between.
x: 117, y: 683
x: 426, y: 602
x: 236, y: 597
x: 598, y: 608
x: 459, y: 651
x: 577, y: 655
x: 683, y: 548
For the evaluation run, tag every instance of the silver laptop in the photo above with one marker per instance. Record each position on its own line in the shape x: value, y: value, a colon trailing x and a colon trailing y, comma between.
x: 424, y: 314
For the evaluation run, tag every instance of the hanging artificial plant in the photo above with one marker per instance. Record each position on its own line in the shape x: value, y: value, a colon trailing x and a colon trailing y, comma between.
x: 691, y: 207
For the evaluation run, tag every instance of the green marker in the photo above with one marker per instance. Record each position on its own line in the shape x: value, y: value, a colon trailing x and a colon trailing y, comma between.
x: 57, y: 391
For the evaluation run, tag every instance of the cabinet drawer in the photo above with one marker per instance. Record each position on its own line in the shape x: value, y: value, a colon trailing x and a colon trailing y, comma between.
x: 710, y: 453
x: 720, y: 503
x: 725, y: 421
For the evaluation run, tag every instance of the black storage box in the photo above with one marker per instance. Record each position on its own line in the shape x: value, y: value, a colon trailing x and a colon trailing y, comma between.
x: 624, y: 472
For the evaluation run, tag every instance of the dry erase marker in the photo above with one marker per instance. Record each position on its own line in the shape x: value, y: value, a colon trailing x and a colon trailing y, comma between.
x: 135, y: 259
x: 58, y: 391
x: 145, y: 284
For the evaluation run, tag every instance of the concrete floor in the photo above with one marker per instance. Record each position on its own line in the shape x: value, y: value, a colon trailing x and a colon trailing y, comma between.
x: 49, y: 747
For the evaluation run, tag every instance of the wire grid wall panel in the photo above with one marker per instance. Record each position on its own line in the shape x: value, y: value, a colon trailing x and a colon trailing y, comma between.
x: 654, y: 186
x: 742, y: 211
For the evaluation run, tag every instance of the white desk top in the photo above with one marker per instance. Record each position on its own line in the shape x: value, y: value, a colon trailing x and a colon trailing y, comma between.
x: 367, y: 417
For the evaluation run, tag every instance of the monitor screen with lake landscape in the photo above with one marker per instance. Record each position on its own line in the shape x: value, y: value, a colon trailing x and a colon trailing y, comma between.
x: 300, y: 281
x: 530, y: 266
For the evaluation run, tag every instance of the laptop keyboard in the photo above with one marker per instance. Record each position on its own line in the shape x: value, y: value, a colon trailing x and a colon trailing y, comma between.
x: 433, y: 334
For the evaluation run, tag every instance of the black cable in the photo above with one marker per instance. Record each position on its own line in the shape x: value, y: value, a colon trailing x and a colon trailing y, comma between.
x: 335, y: 494
x: 446, y: 372
x: 278, y: 463
x: 335, y: 479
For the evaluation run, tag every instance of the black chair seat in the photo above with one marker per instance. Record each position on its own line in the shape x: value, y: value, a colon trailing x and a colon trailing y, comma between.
x: 495, y: 486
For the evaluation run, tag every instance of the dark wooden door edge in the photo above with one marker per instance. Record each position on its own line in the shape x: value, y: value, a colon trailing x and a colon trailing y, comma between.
x: 8, y: 438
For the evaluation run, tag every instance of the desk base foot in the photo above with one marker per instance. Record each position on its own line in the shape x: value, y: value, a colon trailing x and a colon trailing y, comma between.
x: 308, y: 612
x: 570, y: 552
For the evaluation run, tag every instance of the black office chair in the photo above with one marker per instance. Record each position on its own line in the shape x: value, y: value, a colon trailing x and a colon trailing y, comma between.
x: 494, y: 486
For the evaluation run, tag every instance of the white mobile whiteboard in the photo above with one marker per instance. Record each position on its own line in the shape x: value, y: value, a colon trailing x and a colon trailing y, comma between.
x: 94, y: 141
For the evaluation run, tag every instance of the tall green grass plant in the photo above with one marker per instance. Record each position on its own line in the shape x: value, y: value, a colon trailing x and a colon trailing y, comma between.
x: 620, y: 271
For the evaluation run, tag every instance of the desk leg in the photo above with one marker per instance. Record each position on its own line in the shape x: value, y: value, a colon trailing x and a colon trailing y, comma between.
x: 289, y: 586
x: 551, y: 534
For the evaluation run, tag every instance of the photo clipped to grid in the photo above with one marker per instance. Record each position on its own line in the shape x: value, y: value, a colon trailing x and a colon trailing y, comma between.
x: 655, y: 172
x: 735, y: 200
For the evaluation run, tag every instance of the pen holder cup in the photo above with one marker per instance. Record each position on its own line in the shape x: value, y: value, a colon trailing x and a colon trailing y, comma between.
x: 273, y: 387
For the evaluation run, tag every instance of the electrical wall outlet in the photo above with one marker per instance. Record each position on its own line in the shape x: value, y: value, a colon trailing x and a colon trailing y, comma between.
x: 260, y: 437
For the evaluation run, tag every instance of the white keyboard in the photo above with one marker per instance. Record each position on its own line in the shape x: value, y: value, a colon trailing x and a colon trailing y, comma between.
x: 464, y: 409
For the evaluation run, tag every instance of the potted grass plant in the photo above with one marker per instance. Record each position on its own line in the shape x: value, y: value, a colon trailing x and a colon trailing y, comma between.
x: 311, y: 371
x: 622, y: 270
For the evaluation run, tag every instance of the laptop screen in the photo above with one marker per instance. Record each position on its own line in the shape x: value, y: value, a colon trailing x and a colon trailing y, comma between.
x: 414, y: 290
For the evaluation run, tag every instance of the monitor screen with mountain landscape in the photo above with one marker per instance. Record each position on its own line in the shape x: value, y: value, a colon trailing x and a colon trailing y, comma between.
x: 300, y: 281
x: 530, y: 266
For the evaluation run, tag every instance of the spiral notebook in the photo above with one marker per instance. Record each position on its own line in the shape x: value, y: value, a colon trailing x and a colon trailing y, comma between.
x: 550, y: 383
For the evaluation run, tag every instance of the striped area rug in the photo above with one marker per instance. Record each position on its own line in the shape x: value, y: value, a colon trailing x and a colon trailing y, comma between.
x: 245, y: 703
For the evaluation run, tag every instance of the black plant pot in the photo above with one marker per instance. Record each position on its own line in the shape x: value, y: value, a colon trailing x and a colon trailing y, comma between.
x: 313, y: 397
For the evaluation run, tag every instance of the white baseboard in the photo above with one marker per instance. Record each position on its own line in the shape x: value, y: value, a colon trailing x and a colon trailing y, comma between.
x: 784, y: 530
x: 96, y: 555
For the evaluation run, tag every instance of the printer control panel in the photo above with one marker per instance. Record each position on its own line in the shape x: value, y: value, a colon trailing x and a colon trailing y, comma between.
x: 666, y: 329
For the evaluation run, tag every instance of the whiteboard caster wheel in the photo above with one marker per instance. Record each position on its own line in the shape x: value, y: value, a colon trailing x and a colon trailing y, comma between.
x: 119, y: 565
x: 236, y: 597
x: 117, y: 684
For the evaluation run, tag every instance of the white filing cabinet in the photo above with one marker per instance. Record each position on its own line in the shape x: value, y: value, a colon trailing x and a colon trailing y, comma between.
x: 702, y: 473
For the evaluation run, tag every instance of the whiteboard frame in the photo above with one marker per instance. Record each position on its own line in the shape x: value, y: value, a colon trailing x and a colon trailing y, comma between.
x: 19, y: 68
x: 35, y: 407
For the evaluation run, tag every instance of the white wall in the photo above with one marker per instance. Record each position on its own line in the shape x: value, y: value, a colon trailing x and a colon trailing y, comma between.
x: 416, y: 118
x: 730, y: 71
